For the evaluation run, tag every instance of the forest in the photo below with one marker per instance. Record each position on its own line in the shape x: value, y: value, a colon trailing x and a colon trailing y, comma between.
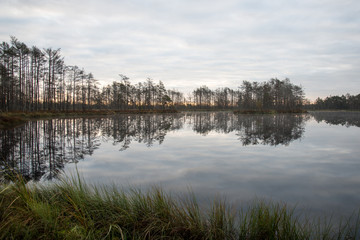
x: 34, y: 79
x: 343, y: 102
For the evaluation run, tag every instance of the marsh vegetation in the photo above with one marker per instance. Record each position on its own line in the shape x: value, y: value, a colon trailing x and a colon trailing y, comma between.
x: 71, y: 209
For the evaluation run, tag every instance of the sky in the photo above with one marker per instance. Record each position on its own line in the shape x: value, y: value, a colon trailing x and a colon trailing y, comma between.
x: 190, y: 43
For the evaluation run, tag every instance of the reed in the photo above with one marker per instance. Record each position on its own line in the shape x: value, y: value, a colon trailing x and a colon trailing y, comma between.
x: 71, y: 209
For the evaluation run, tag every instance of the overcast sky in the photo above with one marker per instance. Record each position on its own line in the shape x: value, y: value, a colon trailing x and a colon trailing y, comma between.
x: 189, y: 43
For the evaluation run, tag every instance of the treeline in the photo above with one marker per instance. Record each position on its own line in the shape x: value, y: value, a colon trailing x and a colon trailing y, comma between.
x: 34, y: 79
x: 343, y: 102
x: 273, y: 94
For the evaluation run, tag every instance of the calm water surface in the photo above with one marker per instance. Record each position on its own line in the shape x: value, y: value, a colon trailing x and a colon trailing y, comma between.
x: 310, y: 160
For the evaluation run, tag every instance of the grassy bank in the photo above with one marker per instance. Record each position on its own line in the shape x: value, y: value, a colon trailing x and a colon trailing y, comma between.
x: 12, y: 119
x: 73, y: 210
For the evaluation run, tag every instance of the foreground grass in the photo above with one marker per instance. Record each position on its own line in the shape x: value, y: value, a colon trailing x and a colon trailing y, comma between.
x: 73, y: 210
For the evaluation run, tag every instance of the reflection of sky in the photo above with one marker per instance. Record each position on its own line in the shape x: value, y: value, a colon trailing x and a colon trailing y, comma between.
x: 319, y: 171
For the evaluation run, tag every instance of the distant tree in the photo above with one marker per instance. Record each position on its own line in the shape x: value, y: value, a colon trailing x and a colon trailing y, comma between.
x: 165, y: 100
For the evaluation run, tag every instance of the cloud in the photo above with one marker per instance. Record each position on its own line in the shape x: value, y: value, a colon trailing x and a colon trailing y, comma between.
x: 191, y: 43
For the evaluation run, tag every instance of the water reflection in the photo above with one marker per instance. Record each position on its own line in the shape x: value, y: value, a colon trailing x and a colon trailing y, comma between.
x: 147, y: 129
x: 253, y: 129
x: 344, y: 118
x: 41, y: 149
x: 271, y: 130
x: 233, y: 155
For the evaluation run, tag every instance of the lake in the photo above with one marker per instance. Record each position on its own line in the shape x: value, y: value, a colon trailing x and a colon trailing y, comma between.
x: 311, y: 161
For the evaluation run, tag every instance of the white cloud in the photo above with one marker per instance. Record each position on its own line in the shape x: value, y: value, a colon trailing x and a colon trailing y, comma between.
x: 191, y: 43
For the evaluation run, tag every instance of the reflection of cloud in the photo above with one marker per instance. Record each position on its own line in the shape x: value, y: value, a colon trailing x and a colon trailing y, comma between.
x: 315, y: 44
x: 312, y: 173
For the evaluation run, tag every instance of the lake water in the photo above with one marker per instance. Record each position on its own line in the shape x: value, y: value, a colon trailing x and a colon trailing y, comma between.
x: 308, y: 160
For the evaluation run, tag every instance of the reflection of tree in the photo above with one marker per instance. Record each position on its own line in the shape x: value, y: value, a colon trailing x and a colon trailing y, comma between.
x: 270, y: 129
x: 338, y: 118
x: 41, y: 149
x: 205, y: 122
x: 252, y: 129
x: 148, y: 128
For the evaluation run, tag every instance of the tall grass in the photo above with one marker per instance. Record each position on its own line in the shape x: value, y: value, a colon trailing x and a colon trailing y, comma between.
x: 72, y: 209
